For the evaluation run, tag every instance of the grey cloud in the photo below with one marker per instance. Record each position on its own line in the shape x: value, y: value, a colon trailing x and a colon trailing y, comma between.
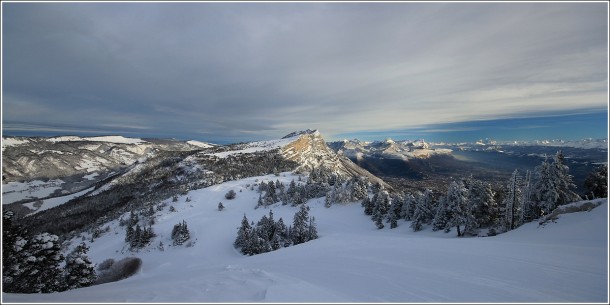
x: 265, y: 69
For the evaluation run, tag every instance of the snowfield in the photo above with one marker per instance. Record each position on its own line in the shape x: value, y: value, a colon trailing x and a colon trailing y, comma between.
x: 15, y: 191
x: 352, y: 261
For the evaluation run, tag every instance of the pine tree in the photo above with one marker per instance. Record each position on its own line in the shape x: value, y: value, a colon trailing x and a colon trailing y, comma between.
x: 441, y: 216
x: 423, y: 210
x: 527, y: 211
x: 482, y: 205
x: 300, y: 226
x: 597, y: 182
x: 244, y: 233
x: 313, y: 231
x: 512, y: 200
x: 13, y: 256
x: 368, y: 205
x: 546, y: 191
x: 180, y: 233
x: 80, y: 271
x: 563, y: 180
x: 41, y: 271
x: 395, y: 209
x: 457, y: 206
x: 408, y: 207
x: 221, y: 206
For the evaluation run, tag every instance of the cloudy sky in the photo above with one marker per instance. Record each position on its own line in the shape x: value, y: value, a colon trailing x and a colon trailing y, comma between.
x: 228, y: 72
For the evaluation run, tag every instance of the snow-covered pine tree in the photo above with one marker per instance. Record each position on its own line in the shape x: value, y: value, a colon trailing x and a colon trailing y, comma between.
x: 313, y: 230
x: 408, y: 207
x: 282, y: 232
x: 483, y: 206
x: 563, y: 180
x: 359, y: 188
x: 368, y: 205
x: 512, y: 201
x: 328, y: 201
x: 300, y: 226
x: 180, y: 233
x: 13, y: 256
x: 423, y: 213
x: 527, y: 211
x: 441, y: 216
x: 244, y: 233
x: 270, y: 196
x: 545, y: 189
x: 41, y: 271
x: 395, y: 209
x: 457, y: 206
x: 79, y: 270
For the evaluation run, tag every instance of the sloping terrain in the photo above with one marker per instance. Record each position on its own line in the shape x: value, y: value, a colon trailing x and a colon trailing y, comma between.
x: 352, y: 261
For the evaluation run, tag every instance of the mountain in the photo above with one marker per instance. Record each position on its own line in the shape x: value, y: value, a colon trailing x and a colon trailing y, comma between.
x: 310, y: 150
x: 403, y: 150
x: 160, y: 169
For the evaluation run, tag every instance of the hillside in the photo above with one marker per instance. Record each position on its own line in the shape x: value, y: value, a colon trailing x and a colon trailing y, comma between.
x: 352, y: 261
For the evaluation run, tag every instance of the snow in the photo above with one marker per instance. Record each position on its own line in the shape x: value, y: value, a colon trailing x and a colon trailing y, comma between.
x: 91, y: 176
x: 15, y: 191
x: 110, y: 139
x: 352, y: 261
x: 53, y: 202
x: 258, y: 146
x: 6, y: 142
x: 200, y: 144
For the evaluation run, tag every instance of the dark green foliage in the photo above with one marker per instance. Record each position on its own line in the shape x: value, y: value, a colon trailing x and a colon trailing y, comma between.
x: 269, y: 235
x: 180, y: 233
x: 230, y: 195
x: 597, y: 182
x: 116, y: 271
x: 80, y: 271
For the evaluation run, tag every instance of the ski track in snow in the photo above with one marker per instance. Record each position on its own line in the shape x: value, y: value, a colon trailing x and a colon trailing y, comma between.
x: 352, y: 261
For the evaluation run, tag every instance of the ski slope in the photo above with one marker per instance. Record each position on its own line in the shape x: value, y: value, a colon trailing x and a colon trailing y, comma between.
x: 352, y: 261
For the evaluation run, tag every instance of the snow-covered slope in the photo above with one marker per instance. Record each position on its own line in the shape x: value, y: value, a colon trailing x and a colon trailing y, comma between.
x: 352, y: 261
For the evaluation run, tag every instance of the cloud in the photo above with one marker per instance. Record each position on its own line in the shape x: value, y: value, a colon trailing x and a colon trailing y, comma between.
x: 260, y: 70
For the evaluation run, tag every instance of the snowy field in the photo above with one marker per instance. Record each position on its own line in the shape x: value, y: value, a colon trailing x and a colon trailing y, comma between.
x: 15, y: 191
x: 352, y: 261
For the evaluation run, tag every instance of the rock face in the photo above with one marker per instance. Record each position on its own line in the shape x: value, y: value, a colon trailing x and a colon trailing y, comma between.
x: 26, y: 159
x: 310, y: 151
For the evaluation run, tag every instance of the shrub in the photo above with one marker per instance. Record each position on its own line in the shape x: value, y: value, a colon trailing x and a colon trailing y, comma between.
x: 119, y: 270
x: 230, y: 194
x: 105, y: 265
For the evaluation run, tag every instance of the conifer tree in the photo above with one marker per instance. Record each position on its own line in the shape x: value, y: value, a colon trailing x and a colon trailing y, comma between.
x: 546, y: 192
x: 41, y: 271
x: 597, y: 182
x: 457, y: 206
x: 441, y: 216
x: 80, y: 271
x: 423, y: 213
x: 300, y: 226
x: 244, y: 233
x: 512, y: 200
x: 408, y: 207
x: 563, y: 180
x: 180, y: 233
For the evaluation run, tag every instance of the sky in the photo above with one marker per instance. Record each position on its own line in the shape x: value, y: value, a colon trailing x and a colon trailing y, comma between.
x: 231, y: 72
